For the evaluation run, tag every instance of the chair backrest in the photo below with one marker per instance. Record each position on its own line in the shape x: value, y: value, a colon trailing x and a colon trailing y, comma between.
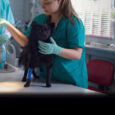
x: 100, y: 72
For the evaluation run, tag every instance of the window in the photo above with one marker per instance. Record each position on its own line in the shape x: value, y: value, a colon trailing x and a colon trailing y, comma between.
x: 97, y: 17
x: 113, y: 4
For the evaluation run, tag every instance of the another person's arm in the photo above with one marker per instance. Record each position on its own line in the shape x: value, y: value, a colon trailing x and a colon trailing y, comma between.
x: 17, y: 35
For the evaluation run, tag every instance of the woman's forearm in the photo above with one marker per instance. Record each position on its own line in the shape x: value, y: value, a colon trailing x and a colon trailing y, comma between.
x: 71, y: 53
x: 17, y: 35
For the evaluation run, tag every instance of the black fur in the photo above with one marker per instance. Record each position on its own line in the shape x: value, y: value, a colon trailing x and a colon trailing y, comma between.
x: 31, y: 58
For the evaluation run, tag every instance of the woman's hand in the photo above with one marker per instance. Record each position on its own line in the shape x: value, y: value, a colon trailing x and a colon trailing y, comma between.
x: 3, y: 22
x: 49, y: 48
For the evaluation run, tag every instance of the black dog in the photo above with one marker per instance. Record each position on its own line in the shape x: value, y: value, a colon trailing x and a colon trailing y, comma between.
x: 31, y: 58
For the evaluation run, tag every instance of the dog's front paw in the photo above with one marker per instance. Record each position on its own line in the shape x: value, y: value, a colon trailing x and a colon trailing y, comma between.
x: 23, y: 79
x: 27, y: 83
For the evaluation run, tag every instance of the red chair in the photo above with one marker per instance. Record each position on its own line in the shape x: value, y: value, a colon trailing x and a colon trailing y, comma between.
x: 100, y: 72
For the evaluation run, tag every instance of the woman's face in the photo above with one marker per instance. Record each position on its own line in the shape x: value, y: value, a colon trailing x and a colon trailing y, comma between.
x: 50, y: 6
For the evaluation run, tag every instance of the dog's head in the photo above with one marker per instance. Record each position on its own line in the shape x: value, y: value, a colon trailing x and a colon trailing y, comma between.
x: 42, y: 31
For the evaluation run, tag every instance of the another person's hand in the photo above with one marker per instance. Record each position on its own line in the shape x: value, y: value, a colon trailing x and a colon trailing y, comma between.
x: 3, y: 38
x: 49, y: 48
x: 3, y: 22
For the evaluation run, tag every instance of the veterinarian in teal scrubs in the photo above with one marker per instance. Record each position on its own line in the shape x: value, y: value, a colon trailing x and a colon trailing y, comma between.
x: 67, y: 36
x: 69, y: 65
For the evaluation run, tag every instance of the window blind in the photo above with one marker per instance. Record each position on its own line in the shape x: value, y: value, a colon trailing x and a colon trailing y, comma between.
x: 96, y: 16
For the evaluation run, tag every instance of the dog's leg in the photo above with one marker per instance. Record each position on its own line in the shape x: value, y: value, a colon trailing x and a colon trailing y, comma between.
x: 25, y: 74
x: 35, y: 75
x: 48, y: 74
x: 29, y: 77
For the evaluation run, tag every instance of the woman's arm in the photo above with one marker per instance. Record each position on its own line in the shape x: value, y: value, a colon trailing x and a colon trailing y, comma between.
x: 71, y: 53
x: 18, y: 36
x: 53, y: 48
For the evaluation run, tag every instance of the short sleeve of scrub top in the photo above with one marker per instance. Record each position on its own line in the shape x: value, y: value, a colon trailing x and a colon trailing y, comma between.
x: 67, y: 35
x: 75, y: 34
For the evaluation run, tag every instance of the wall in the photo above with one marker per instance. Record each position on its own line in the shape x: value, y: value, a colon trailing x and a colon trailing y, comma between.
x: 32, y: 9
x: 17, y: 7
x: 22, y: 9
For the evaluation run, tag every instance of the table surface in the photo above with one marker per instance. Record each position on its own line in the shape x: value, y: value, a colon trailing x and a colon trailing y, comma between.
x: 11, y: 83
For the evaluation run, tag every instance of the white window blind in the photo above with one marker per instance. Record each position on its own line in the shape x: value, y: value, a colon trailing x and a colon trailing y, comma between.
x: 96, y: 16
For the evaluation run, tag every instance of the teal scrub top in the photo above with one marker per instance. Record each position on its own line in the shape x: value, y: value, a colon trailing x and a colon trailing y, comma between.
x: 6, y: 13
x: 68, y: 36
